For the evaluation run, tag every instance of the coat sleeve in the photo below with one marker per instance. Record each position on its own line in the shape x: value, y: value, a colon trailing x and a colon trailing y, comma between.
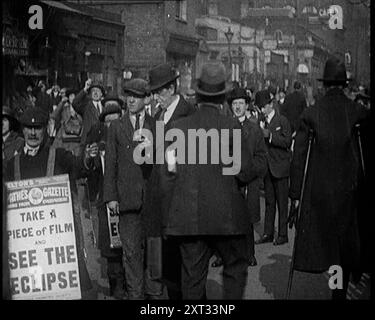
x: 258, y: 151
x: 80, y: 102
x: 246, y: 172
x: 110, y: 172
x: 282, y: 138
x: 299, y: 158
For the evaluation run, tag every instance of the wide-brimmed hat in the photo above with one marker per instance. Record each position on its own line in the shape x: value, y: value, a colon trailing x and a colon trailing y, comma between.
x: 112, y: 97
x: 111, y: 109
x: 34, y: 117
x: 238, y: 93
x: 212, y: 80
x: 137, y: 86
x: 99, y: 87
x: 161, y: 75
x: 262, y: 98
x: 334, y: 71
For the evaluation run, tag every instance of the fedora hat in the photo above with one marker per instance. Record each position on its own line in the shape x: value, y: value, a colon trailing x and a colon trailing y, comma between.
x: 212, y: 80
x: 113, y: 97
x: 334, y: 71
x: 137, y: 86
x: 161, y: 75
x: 99, y: 87
x: 238, y: 93
x: 262, y: 98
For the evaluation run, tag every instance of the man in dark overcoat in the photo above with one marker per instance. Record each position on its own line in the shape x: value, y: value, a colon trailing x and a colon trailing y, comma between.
x: 88, y: 104
x: 38, y: 159
x: 207, y: 209
x: 278, y: 139
x: 171, y: 107
x: 125, y: 185
x: 328, y: 226
x: 97, y: 136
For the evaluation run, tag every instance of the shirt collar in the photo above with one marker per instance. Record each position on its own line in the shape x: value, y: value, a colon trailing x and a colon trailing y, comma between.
x: 142, y: 114
x: 242, y: 119
x: 270, y: 116
x: 30, y: 151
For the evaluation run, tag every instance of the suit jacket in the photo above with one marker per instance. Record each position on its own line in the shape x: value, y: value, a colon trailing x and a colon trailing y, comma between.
x: 258, y: 149
x: 293, y: 107
x: 279, y: 154
x: 203, y: 200
x: 124, y: 180
x: 328, y: 222
x: 84, y: 106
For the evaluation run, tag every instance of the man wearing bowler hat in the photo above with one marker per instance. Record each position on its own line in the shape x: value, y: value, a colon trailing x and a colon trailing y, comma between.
x: 88, y: 103
x: 328, y: 231
x: 278, y: 138
x: 207, y: 210
x: 171, y: 107
x: 125, y: 185
x: 38, y: 159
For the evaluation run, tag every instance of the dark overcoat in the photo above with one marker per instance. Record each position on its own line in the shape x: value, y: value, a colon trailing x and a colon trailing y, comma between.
x: 124, y: 180
x: 328, y: 231
x: 84, y: 106
x: 254, y: 138
x: 203, y: 200
x: 278, y: 150
x: 292, y: 108
x: 98, y: 134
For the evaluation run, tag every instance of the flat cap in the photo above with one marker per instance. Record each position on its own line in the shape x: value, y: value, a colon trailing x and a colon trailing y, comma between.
x: 138, y: 87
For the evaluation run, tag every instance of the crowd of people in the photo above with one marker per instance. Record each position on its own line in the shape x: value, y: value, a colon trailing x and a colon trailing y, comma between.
x: 173, y: 217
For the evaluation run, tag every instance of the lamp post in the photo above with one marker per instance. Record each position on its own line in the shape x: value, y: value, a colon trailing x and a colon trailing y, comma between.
x: 87, y: 54
x: 229, y: 36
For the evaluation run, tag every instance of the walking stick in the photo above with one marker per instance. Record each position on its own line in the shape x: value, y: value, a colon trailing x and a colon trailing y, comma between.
x: 358, y: 127
x: 291, y: 270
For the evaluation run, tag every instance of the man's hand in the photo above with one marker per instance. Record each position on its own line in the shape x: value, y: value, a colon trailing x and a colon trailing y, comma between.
x: 114, y: 207
x: 91, y: 150
x: 87, y: 85
x: 293, y: 214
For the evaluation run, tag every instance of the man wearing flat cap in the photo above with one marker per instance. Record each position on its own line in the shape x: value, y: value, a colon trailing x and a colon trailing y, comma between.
x: 207, y: 210
x: 88, y: 103
x: 278, y: 138
x: 171, y: 107
x: 38, y: 159
x: 125, y: 183
x: 328, y: 232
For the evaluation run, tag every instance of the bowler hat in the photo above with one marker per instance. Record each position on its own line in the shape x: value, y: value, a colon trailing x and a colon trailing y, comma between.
x: 262, y: 98
x: 212, y: 80
x: 34, y: 117
x: 110, y: 110
x: 161, y: 75
x: 334, y: 72
x: 70, y: 91
x: 9, y: 113
x: 137, y: 86
x: 238, y: 93
x: 99, y: 87
x: 112, y: 97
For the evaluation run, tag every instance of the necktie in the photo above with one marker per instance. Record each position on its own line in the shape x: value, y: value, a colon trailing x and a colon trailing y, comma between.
x: 161, y: 118
x: 137, y: 124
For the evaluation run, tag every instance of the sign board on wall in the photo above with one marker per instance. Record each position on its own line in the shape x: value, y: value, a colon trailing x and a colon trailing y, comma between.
x: 43, y: 260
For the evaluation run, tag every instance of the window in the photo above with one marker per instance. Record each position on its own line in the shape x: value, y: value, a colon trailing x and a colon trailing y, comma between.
x: 212, y: 8
x: 181, y: 9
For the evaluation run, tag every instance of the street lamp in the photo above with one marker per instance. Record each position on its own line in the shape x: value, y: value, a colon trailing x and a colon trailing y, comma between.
x: 229, y: 36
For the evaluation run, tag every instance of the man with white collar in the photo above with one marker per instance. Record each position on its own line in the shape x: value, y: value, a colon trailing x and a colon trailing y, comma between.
x: 278, y: 138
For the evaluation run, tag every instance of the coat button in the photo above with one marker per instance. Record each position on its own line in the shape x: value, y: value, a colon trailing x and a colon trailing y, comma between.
x: 127, y: 147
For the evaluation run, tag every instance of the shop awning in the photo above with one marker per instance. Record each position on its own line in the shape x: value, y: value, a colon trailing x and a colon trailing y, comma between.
x: 62, y: 6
